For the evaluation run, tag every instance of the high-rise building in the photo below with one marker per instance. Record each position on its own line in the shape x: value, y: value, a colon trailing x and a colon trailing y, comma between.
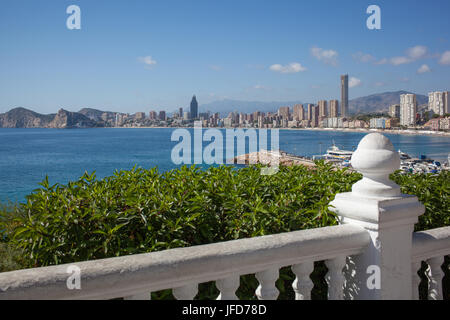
x: 152, y: 115
x: 394, y: 111
x: 438, y: 102
x: 299, y: 112
x: 344, y: 95
x: 315, y: 116
x: 323, y: 111
x: 309, y: 111
x: 180, y: 113
x: 283, y: 112
x: 334, y: 109
x: 162, y: 115
x: 194, y: 108
x: 446, y: 102
x: 139, y: 115
x: 408, y: 109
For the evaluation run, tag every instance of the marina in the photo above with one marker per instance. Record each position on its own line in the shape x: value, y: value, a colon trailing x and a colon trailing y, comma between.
x: 341, y: 159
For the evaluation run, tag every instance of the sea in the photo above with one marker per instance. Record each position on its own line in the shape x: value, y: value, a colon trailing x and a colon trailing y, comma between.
x: 27, y: 156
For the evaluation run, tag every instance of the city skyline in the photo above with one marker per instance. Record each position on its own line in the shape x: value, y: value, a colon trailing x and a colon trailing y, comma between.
x: 127, y: 58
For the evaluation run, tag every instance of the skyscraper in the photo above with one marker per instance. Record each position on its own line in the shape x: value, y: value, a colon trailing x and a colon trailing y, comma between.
x: 334, y: 109
x: 438, y: 102
x: 344, y: 95
x: 408, y: 109
x: 323, y: 111
x: 194, y: 108
x: 299, y: 112
x: 309, y: 111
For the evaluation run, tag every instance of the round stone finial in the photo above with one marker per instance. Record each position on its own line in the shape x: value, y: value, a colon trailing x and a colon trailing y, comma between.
x: 375, y: 158
x: 375, y: 154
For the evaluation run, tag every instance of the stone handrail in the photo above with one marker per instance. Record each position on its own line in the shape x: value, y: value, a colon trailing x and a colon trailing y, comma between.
x: 430, y: 246
x: 181, y: 269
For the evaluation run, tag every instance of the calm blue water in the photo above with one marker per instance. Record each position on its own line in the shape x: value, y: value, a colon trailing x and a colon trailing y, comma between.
x: 27, y: 155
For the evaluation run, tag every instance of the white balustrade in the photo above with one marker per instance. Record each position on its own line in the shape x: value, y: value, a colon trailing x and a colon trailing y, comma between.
x: 267, y: 289
x: 435, y: 274
x: 376, y: 228
x: 303, y: 284
x: 228, y: 287
x: 335, y: 278
x: 186, y: 292
x: 431, y: 246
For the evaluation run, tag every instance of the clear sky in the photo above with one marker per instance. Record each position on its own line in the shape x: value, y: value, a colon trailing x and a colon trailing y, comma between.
x: 138, y: 55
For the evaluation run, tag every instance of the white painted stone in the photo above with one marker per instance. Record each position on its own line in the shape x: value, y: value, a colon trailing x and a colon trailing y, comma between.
x: 335, y: 278
x: 267, y: 289
x: 435, y: 274
x: 228, y: 287
x: 303, y: 284
x: 187, y: 292
x: 376, y: 204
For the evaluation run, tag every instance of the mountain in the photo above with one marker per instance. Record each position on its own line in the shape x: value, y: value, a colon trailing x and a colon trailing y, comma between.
x: 95, y: 114
x: 380, y: 102
x: 24, y: 118
x: 224, y: 107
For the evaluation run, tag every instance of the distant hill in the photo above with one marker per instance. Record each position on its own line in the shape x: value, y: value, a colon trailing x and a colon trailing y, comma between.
x: 224, y: 107
x: 95, y: 114
x: 380, y: 102
x: 24, y: 118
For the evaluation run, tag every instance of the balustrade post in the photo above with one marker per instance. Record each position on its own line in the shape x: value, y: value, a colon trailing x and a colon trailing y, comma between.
x: 383, y: 270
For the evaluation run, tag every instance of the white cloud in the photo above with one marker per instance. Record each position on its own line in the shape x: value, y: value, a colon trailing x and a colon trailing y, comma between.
x: 148, y: 61
x: 412, y: 54
x: 423, y: 69
x: 417, y: 52
x: 396, y: 61
x: 445, y: 58
x: 293, y: 67
x: 354, y: 82
x: 363, y: 57
x: 326, y: 56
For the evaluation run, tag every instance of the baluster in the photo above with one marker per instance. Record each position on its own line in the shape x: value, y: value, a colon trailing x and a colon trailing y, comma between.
x: 267, y: 289
x: 139, y: 296
x: 415, y: 279
x: 435, y: 275
x: 302, y: 284
x: 228, y: 287
x: 187, y: 292
x: 335, y: 278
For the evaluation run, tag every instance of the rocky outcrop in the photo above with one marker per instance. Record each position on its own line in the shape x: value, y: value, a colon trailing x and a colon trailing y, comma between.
x: 66, y: 119
x: 24, y: 118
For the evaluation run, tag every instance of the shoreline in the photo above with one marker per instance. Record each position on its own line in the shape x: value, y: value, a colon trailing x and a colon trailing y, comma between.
x: 360, y: 130
x: 405, y: 132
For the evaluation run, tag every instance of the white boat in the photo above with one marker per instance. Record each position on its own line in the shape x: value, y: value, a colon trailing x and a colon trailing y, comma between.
x: 335, y: 153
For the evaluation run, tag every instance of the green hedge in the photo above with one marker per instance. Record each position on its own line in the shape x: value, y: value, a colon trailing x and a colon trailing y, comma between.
x: 142, y: 211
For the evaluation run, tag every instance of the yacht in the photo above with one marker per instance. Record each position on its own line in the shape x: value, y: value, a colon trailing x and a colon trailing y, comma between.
x: 335, y: 153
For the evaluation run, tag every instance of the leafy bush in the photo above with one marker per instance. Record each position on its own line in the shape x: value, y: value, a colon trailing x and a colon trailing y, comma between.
x: 142, y: 211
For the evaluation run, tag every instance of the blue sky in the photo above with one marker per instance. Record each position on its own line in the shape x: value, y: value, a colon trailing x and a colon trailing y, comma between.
x: 150, y: 55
